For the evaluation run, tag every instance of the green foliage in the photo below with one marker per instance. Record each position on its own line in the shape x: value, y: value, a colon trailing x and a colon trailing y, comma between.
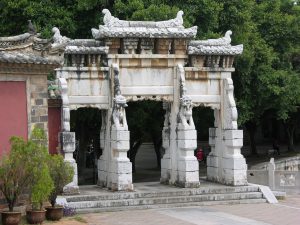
x: 42, y: 184
x: 42, y: 188
x: 61, y: 173
x: 16, y: 170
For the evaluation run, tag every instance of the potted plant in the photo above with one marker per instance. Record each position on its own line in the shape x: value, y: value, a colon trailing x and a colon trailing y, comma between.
x: 61, y: 173
x: 42, y: 184
x: 15, y: 176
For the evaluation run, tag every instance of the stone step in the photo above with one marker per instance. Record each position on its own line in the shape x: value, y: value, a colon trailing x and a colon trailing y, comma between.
x: 174, y: 205
x: 165, y: 200
x: 155, y: 194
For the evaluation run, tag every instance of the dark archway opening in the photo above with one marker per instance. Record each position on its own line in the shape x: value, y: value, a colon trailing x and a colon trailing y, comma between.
x: 145, y: 122
x: 86, y: 123
x: 203, y: 119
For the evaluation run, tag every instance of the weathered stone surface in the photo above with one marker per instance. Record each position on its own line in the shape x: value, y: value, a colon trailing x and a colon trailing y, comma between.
x: 133, y: 61
x: 113, y: 27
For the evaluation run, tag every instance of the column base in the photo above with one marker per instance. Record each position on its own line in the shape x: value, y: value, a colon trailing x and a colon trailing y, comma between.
x: 188, y: 184
x: 121, y: 182
x: 71, y: 190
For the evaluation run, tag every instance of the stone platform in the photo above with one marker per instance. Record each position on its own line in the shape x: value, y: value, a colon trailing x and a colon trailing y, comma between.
x: 155, y: 195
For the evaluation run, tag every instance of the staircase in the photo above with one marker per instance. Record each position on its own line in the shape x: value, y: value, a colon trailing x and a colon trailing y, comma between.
x: 94, y: 199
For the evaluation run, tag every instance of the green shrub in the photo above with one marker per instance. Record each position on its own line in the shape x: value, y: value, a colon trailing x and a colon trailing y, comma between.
x: 61, y: 173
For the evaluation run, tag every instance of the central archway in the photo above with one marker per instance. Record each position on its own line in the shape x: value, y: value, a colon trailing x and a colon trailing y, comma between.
x: 145, y: 121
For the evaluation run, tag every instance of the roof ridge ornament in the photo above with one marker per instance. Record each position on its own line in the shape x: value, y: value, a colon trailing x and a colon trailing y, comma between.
x: 31, y: 28
x: 115, y: 28
x: 111, y: 21
x: 226, y: 40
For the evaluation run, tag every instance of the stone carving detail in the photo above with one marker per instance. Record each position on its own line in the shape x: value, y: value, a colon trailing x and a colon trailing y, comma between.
x: 30, y: 49
x: 186, y: 105
x: 230, y: 111
x: 114, y: 27
x: 167, y: 108
x: 226, y: 40
x: 111, y: 21
x: 118, y: 115
x: 31, y: 28
x: 58, y: 39
x: 220, y: 46
x: 65, y: 120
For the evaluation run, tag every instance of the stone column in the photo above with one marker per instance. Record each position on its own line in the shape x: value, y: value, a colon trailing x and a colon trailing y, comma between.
x: 166, y: 160
x: 103, y: 160
x: 233, y: 167
x: 120, y: 168
x: 212, y: 159
x: 67, y: 138
x: 188, y: 168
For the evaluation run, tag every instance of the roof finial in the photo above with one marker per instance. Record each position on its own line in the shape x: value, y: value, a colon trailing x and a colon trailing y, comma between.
x: 31, y: 28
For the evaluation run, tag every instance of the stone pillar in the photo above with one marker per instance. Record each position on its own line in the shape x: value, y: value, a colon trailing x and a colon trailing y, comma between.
x: 119, y: 168
x: 103, y: 160
x: 212, y: 160
x: 234, y: 167
x: 271, y: 174
x: 67, y: 142
x: 67, y: 138
x: 225, y: 163
x: 166, y: 160
x: 187, y: 164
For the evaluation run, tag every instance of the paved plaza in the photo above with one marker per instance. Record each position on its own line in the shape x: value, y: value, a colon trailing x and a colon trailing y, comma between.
x: 286, y: 212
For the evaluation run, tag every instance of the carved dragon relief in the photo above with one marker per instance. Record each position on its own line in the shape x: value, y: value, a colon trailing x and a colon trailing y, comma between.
x: 118, y: 114
x: 185, y: 115
x: 166, y: 128
x: 230, y: 114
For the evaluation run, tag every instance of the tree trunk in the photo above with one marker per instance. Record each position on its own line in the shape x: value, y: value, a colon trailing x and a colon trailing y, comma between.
x: 290, y: 128
x: 11, y: 205
x: 251, y: 127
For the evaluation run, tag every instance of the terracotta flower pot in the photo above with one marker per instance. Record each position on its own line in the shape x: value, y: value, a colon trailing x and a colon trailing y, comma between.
x: 11, y: 218
x: 54, y: 213
x: 35, y: 217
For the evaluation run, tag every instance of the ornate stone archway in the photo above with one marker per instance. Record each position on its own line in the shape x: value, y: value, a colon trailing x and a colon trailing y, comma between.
x: 132, y: 61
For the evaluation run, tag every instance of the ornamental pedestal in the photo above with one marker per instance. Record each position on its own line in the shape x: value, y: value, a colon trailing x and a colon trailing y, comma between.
x: 188, y: 166
x: 67, y: 141
x: 120, y: 166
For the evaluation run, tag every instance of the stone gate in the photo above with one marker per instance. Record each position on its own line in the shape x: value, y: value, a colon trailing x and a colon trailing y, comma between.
x: 145, y: 60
